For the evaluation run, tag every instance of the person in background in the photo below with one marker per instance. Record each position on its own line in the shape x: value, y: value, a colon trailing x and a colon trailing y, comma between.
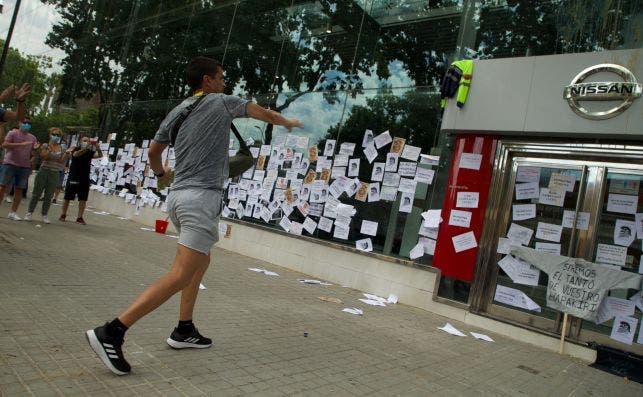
x: 2, y: 135
x: 78, y: 178
x: 16, y: 168
x: 61, y: 175
x: 53, y: 157
x: 10, y: 115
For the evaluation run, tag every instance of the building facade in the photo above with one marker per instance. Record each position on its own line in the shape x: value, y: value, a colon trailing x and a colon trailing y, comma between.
x: 345, y: 67
x: 532, y: 132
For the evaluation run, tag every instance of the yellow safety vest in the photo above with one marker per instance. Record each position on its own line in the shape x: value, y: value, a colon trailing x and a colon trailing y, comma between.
x: 466, y: 67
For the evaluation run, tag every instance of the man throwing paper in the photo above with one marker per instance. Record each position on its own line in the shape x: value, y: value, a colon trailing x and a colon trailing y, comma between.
x: 194, y: 205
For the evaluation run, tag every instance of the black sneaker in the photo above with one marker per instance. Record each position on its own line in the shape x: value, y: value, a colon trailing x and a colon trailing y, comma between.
x: 108, y: 350
x: 192, y: 340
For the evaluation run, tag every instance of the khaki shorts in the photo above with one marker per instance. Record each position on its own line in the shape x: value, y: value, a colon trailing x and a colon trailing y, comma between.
x: 195, y: 214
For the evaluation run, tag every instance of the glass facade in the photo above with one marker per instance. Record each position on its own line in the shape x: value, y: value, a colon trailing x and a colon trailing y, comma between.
x: 341, y: 67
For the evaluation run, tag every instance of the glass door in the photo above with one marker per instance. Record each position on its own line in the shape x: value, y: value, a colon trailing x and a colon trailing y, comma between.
x: 545, y: 196
x: 618, y: 243
x: 583, y: 201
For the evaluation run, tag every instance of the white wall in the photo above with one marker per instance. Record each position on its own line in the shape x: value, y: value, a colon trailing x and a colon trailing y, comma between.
x: 524, y: 97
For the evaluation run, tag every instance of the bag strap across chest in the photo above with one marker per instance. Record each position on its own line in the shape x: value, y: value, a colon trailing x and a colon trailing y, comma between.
x: 184, y: 115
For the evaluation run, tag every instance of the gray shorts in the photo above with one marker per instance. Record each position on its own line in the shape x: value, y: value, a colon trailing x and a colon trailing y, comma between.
x: 195, y: 214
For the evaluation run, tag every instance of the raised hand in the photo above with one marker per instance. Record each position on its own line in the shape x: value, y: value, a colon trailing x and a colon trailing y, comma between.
x: 22, y: 92
x: 7, y: 92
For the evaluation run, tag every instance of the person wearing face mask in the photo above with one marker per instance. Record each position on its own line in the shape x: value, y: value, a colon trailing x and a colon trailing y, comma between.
x: 16, y: 165
x: 78, y: 178
x: 53, y: 156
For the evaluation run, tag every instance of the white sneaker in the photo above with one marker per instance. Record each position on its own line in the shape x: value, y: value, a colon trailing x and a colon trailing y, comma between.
x: 28, y: 216
x: 8, y: 199
x: 45, y: 219
x: 14, y: 217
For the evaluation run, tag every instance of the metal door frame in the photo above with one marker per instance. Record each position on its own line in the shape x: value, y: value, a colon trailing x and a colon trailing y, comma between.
x: 594, y: 158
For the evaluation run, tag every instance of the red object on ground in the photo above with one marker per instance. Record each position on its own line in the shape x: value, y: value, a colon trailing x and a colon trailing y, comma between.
x: 460, y: 265
x: 161, y: 226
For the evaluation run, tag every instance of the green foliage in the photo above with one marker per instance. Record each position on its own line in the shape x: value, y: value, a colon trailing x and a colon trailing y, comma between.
x: 412, y: 115
x: 132, y: 53
x: 135, y: 51
x: 67, y: 121
x: 20, y: 69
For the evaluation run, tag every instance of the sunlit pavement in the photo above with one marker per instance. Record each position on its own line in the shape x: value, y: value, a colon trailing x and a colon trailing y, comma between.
x: 58, y: 280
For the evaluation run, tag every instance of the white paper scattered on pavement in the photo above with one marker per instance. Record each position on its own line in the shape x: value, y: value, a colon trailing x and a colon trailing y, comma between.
x: 201, y: 286
x: 147, y: 229
x: 374, y: 297
x: 311, y: 281
x: 353, y: 310
x: 481, y: 336
x: 392, y: 299
x: 451, y: 330
x: 101, y: 213
x: 264, y: 271
x: 373, y: 302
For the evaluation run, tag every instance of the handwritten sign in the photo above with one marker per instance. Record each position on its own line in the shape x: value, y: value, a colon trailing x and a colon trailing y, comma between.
x: 549, y: 232
x: 622, y: 203
x: 575, y: 286
x: 582, y: 220
x: 524, y: 211
x: 470, y: 161
x: 467, y: 199
x: 527, y: 190
x: 562, y: 182
x: 460, y: 218
x: 519, y: 234
x: 611, y: 254
x: 465, y: 241
x: 528, y: 174
x: 551, y: 197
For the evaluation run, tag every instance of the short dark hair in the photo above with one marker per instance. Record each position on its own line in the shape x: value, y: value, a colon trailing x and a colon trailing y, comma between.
x: 199, y: 67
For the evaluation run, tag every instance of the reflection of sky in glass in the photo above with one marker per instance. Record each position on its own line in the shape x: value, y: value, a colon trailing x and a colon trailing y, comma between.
x: 317, y: 114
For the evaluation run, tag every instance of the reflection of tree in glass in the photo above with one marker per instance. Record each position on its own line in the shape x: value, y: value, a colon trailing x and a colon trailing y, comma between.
x: 528, y: 28
x: 135, y: 50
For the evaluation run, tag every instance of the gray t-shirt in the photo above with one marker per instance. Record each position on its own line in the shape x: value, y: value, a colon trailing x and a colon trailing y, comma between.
x: 202, y: 143
x: 577, y: 286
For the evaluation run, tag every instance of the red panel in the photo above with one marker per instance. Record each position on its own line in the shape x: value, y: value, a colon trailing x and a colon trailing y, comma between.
x: 460, y: 265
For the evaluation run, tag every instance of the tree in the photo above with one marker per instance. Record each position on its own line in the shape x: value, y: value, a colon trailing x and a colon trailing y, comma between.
x: 67, y: 121
x: 527, y: 28
x: 20, y: 69
x: 412, y: 116
x: 134, y: 51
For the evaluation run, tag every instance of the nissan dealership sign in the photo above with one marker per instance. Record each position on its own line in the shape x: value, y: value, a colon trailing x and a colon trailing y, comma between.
x: 625, y: 91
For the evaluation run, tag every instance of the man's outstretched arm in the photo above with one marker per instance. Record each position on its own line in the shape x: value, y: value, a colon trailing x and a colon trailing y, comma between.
x: 270, y: 116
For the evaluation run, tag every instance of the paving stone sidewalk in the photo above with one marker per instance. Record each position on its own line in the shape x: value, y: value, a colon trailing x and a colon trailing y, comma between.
x: 58, y: 280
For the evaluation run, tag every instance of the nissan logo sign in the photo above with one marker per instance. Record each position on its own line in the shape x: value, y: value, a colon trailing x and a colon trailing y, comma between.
x: 625, y: 91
